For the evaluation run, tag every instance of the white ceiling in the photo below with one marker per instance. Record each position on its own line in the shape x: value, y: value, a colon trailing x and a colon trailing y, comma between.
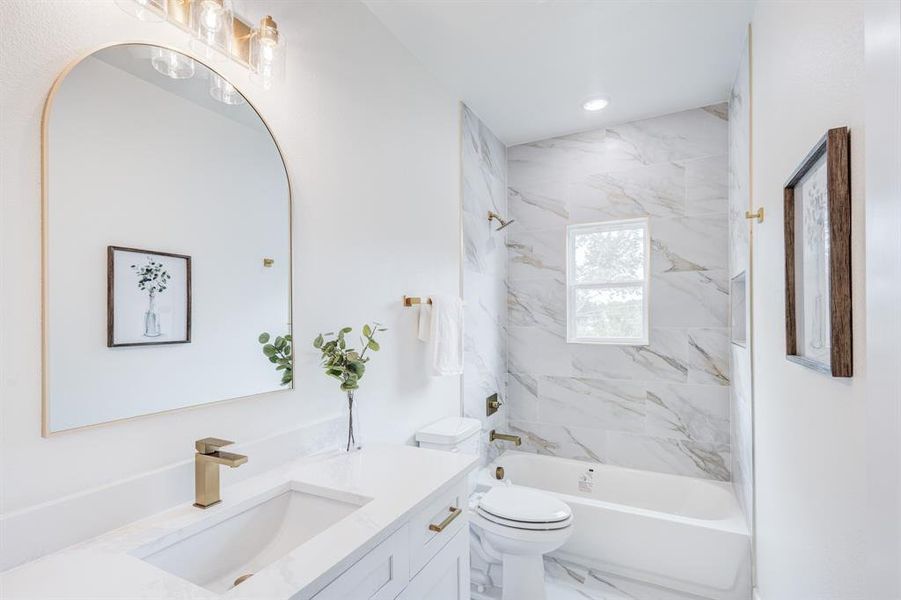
x: 525, y: 67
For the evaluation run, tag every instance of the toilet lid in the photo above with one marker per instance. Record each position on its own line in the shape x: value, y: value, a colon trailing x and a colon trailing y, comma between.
x: 524, y: 505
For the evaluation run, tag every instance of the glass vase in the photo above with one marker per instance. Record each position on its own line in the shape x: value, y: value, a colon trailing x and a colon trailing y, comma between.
x: 353, y: 424
x: 151, y: 318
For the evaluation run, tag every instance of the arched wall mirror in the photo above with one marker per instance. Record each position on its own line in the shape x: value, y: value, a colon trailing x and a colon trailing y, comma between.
x: 167, y: 241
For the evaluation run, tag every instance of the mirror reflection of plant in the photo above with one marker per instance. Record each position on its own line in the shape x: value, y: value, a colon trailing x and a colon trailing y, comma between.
x: 153, y: 278
x: 279, y: 353
x: 345, y: 364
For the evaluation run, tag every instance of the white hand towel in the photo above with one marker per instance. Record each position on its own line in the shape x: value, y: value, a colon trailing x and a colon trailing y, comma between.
x: 425, y: 322
x: 446, y: 335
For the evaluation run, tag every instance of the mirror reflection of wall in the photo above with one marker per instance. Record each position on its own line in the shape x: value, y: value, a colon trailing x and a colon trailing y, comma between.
x: 155, y: 154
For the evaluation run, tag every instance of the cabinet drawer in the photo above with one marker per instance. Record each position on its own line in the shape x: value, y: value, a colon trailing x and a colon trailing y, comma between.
x: 426, y: 542
x: 380, y: 575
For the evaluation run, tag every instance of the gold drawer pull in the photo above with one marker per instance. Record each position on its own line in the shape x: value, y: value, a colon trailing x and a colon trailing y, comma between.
x: 454, y: 513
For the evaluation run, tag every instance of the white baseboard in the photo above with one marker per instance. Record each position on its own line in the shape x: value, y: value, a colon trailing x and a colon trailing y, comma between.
x: 37, y: 530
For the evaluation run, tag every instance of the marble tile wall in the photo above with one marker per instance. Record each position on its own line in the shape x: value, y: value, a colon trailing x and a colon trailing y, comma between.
x: 484, y: 275
x: 740, y: 261
x: 662, y: 407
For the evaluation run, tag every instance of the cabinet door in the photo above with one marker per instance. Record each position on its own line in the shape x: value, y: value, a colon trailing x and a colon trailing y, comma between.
x: 380, y: 575
x: 446, y: 576
x: 425, y: 542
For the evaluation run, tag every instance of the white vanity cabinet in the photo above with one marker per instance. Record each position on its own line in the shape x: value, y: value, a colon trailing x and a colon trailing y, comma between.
x: 416, y: 562
x: 446, y: 576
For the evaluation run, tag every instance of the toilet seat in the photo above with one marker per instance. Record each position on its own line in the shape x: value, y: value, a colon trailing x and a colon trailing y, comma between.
x: 523, y: 508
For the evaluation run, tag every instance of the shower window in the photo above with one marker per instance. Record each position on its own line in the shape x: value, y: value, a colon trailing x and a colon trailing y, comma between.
x: 607, y: 269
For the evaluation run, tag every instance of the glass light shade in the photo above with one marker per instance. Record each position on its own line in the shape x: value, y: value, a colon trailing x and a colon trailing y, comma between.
x: 172, y: 64
x: 267, y: 53
x: 211, y: 23
x: 223, y: 91
x: 145, y: 10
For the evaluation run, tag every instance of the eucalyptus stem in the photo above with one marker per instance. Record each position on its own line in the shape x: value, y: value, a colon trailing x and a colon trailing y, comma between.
x: 350, y: 425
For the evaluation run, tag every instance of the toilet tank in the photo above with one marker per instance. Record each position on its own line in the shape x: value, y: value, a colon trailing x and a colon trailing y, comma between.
x: 453, y: 434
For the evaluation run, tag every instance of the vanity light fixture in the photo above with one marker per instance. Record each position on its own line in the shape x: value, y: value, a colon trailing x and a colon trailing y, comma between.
x: 172, y: 64
x: 596, y: 104
x: 267, y: 52
x: 145, y: 10
x: 217, y: 31
x: 211, y: 23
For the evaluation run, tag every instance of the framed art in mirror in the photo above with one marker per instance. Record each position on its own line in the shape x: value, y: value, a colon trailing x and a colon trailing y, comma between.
x: 817, y: 201
x: 148, y: 296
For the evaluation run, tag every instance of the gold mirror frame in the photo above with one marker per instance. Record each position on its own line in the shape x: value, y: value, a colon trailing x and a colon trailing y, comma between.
x: 45, y: 284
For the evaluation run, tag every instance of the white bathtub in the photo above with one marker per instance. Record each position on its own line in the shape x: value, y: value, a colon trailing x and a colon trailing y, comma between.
x: 681, y: 533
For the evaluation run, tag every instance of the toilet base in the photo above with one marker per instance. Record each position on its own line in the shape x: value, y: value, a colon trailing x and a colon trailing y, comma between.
x: 523, y: 577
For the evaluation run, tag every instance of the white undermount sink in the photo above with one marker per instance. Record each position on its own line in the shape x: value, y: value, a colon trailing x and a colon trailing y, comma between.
x: 214, y: 552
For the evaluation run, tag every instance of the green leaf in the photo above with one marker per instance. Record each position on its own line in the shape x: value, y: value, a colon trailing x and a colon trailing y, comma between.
x: 346, y: 330
x: 367, y: 330
x: 279, y: 342
x: 273, y: 360
x: 289, y: 338
x: 357, y: 368
x: 269, y: 350
x: 281, y: 367
x: 264, y: 338
x: 374, y: 345
x: 317, y: 343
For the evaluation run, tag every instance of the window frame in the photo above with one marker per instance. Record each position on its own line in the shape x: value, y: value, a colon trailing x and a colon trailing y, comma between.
x: 571, y: 285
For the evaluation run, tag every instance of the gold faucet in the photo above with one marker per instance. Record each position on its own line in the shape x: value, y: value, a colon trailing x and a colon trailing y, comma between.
x: 494, y: 435
x: 206, y: 469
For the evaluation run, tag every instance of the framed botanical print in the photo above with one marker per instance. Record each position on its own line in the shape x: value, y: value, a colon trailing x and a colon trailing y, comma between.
x: 817, y: 200
x: 148, y: 297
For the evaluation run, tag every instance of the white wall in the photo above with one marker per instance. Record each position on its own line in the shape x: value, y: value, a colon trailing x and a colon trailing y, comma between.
x: 810, y: 429
x: 883, y: 223
x: 372, y: 147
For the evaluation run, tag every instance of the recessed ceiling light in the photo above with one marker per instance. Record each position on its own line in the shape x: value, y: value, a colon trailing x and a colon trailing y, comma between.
x: 596, y: 104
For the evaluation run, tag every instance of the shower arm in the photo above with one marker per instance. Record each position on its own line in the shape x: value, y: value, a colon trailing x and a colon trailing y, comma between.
x: 493, y: 216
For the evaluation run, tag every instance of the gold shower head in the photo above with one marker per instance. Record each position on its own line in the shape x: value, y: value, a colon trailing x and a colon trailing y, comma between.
x: 493, y: 216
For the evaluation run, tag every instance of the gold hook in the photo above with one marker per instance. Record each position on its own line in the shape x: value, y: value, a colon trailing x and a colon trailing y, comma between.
x: 758, y: 214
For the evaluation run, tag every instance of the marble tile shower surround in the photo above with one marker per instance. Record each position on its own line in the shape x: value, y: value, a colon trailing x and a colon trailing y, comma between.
x: 739, y: 261
x: 662, y: 407
x: 484, y: 275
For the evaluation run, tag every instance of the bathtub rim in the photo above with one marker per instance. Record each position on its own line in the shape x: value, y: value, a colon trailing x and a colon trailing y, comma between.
x: 734, y: 523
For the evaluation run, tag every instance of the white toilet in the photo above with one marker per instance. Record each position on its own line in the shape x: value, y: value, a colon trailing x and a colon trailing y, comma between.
x: 512, y: 527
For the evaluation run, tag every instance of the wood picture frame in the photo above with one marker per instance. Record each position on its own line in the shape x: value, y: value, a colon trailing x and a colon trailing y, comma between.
x: 817, y: 201
x: 150, y: 276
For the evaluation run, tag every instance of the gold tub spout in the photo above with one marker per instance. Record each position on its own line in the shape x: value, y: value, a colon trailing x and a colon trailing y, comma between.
x: 494, y: 435
x: 206, y: 469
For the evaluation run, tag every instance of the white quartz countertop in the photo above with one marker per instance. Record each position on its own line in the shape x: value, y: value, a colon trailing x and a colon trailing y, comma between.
x: 399, y: 479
